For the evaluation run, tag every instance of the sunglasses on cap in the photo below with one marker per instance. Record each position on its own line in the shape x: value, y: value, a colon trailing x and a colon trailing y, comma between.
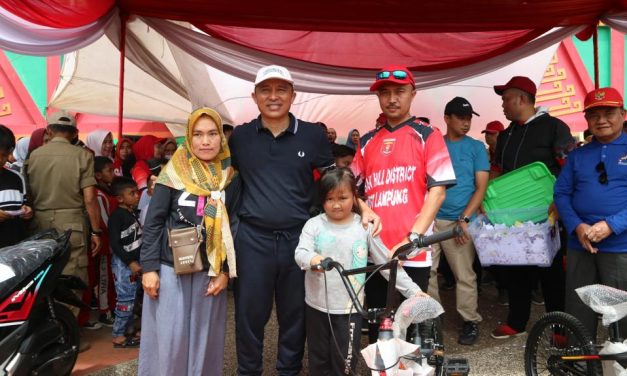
x: 600, y: 168
x: 398, y: 74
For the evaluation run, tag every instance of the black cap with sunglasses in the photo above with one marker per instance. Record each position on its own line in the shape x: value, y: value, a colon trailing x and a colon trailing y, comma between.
x: 396, y: 74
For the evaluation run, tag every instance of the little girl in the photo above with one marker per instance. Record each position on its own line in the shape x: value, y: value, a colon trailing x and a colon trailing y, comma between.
x: 338, y: 233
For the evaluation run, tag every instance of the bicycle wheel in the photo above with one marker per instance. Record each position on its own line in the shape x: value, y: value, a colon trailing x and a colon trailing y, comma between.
x: 559, y: 334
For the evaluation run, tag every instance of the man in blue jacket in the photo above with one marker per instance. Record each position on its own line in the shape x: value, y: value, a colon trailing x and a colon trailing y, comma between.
x: 591, y: 198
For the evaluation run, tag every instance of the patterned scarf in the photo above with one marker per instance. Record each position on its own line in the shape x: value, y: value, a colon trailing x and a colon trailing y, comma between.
x: 186, y: 172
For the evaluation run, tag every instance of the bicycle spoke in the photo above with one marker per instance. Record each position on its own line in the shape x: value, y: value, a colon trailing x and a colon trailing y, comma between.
x: 551, y: 342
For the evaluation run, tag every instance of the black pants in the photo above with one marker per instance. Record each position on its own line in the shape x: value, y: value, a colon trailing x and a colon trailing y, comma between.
x: 376, y: 293
x: 324, y: 358
x: 267, y: 272
x: 520, y: 280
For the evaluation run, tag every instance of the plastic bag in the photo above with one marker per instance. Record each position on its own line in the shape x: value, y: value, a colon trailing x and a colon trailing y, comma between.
x: 606, y: 301
x: 611, y: 367
x: 19, y: 260
x: 415, y: 310
x: 388, y: 353
x: 526, y: 243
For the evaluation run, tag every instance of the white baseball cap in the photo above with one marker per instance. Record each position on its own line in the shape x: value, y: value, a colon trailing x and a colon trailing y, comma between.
x: 273, y: 71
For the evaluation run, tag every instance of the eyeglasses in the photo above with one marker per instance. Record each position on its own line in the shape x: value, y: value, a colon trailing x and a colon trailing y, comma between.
x: 595, y: 115
x: 600, y: 168
x: 398, y: 74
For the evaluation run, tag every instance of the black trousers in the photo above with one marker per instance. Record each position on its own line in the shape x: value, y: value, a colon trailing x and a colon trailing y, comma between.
x: 520, y: 280
x: 267, y: 273
x: 324, y: 358
x: 376, y: 293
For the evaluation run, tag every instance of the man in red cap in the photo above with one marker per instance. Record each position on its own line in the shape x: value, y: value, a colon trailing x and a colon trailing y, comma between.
x: 491, y: 131
x: 401, y: 162
x: 591, y: 198
x: 532, y: 136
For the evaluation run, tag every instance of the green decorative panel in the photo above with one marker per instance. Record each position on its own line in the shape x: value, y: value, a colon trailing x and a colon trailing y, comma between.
x: 586, y: 51
x: 32, y: 72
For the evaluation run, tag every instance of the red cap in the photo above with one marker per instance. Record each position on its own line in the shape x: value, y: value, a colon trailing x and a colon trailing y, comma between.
x: 517, y: 82
x: 396, y: 74
x: 493, y: 127
x: 604, y: 97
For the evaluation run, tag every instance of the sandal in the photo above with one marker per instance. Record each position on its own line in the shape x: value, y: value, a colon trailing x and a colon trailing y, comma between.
x: 130, y: 343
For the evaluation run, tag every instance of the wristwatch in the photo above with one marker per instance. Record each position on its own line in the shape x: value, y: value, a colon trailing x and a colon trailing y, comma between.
x: 413, y: 236
x: 96, y: 232
x: 463, y: 218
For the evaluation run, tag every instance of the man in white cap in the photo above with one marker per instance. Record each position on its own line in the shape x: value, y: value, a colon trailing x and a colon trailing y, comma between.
x: 275, y: 155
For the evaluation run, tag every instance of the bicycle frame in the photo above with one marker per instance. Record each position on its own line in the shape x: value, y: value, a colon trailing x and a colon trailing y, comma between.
x: 565, y: 361
x: 562, y: 362
x: 385, y: 316
x: 391, y: 300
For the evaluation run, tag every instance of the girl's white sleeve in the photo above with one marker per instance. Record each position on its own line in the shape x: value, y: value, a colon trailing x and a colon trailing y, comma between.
x: 379, y: 254
x: 305, y: 250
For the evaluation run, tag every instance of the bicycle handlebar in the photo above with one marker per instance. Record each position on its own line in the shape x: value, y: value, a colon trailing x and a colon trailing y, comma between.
x: 424, y: 241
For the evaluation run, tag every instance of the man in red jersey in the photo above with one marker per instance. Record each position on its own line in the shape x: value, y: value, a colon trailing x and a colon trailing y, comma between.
x: 400, y: 163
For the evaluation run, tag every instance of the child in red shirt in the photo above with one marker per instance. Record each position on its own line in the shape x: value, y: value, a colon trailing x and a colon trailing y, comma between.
x: 105, y: 291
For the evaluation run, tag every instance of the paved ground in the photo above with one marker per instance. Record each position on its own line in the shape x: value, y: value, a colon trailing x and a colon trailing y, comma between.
x: 488, y: 357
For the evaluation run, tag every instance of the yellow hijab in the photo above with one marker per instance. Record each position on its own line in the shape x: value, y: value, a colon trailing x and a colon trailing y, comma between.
x: 186, y: 172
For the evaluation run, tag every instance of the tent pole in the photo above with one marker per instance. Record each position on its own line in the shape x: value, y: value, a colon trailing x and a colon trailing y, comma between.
x: 123, y: 20
x: 595, y: 43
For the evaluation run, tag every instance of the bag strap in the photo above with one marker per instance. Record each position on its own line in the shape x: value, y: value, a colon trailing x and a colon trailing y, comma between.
x: 183, y: 219
x: 199, y: 227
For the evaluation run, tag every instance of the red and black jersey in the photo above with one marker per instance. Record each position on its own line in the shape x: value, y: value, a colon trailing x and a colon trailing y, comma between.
x: 398, y: 166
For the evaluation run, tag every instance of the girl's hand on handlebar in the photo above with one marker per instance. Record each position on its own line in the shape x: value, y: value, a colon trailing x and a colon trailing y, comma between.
x: 315, y: 261
x: 150, y: 282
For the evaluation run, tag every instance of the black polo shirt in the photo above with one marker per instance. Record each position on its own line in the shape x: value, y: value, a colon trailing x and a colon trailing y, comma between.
x: 544, y: 139
x: 277, y: 173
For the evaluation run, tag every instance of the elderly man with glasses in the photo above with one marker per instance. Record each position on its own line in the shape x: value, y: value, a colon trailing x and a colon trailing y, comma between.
x: 591, y: 198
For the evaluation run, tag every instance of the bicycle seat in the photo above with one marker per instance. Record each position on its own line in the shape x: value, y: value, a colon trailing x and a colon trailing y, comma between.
x: 607, y: 301
x: 18, y: 261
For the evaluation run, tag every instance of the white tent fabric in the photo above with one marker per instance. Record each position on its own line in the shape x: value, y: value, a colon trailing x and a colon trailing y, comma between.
x: 157, y: 90
x: 90, y: 85
x: 617, y: 21
x: 344, y: 112
x: 244, y: 62
x: 23, y: 37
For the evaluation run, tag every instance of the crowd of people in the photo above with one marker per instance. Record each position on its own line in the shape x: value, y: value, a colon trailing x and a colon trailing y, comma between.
x: 159, y: 229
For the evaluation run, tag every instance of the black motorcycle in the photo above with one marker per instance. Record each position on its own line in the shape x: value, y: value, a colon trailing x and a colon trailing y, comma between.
x: 38, y: 334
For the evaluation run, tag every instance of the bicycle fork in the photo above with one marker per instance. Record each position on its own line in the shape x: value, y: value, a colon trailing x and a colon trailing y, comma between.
x: 385, y: 346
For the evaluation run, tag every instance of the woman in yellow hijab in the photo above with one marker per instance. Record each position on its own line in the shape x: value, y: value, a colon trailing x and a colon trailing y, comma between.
x: 184, y: 316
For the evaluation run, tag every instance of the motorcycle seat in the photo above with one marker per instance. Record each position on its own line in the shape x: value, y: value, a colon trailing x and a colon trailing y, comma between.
x: 17, y: 262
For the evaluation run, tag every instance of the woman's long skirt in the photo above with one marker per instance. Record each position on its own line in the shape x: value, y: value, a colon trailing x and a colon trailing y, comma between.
x: 183, y: 330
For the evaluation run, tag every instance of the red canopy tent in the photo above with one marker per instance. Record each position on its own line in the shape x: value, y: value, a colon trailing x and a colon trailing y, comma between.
x: 378, y: 16
x: 348, y: 36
